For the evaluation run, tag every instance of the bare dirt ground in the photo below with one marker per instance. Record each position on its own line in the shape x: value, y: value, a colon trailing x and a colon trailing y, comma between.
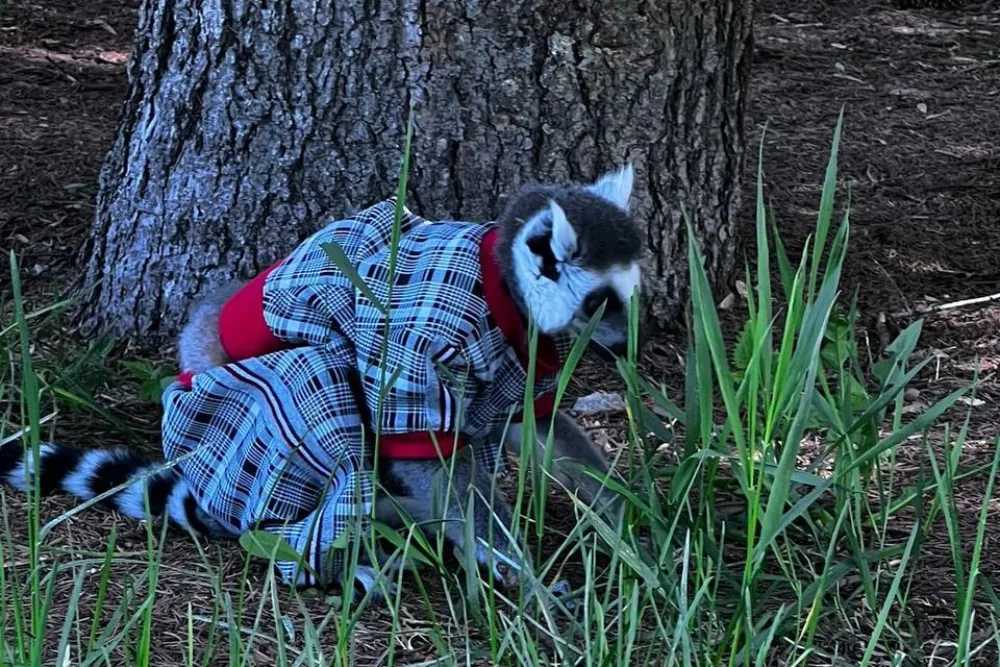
x: 920, y: 155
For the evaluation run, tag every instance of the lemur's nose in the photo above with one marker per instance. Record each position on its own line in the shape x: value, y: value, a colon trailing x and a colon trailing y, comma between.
x: 599, y: 296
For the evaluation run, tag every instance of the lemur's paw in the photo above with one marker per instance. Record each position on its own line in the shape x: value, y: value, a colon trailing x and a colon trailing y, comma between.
x: 561, y: 590
x: 506, y: 575
x: 507, y: 571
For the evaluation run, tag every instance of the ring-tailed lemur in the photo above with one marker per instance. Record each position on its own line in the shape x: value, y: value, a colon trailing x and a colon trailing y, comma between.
x: 560, y: 253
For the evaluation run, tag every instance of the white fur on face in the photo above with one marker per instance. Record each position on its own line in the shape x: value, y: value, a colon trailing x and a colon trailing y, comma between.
x: 626, y: 281
x: 555, y: 306
x: 551, y: 306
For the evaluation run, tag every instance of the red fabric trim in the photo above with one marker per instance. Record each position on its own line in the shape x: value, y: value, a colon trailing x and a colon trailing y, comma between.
x: 186, y: 378
x: 418, y: 446
x: 545, y: 405
x: 243, y: 331
x: 506, y: 314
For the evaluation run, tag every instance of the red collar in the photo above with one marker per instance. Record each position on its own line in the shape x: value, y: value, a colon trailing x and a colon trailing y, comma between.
x: 506, y: 314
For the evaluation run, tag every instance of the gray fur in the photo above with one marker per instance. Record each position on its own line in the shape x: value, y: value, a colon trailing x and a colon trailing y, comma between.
x: 199, y: 346
x: 441, y: 505
x: 573, y: 454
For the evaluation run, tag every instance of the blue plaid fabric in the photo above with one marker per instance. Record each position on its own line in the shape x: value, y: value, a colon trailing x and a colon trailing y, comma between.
x: 279, y: 442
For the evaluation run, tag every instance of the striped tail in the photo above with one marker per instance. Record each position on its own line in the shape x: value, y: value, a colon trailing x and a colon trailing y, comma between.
x: 86, y: 474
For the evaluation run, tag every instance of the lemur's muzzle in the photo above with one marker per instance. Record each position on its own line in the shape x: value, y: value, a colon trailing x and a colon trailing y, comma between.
x: 610, y: 338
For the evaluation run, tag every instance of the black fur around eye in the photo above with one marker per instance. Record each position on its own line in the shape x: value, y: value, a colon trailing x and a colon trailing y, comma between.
x: 542, y: 246
x: 599, y: 296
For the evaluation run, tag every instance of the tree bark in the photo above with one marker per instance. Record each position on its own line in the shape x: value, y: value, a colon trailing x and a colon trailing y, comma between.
x: 248, y: 125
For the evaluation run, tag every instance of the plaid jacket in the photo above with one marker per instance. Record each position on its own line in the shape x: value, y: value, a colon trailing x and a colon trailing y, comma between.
x: 279, y: 439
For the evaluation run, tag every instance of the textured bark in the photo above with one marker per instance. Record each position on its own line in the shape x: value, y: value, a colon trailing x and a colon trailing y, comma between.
x: 249, y: 124
x: 931, y: 4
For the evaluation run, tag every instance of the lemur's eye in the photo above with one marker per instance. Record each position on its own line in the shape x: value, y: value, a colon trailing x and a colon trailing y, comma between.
x: 541, y: 246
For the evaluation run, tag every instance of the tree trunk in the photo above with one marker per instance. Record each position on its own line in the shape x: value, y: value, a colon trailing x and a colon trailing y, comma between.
x: 248, y: 125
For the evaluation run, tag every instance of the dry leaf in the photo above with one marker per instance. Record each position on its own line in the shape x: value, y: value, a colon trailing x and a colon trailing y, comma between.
x: 972, y: 402
x: 598, y: 402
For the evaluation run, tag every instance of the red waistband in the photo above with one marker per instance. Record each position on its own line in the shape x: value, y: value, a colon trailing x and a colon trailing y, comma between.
x: 243, y: 331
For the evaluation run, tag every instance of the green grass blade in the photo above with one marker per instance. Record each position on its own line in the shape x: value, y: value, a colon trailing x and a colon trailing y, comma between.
x: 781, y: 256
x: 967, y: 596
x: 341, y: 261
x: 707, y: 322
x: 30, y: 404
x: 804, y: 365
x: 890, y: 598
x: 927, y: 418
x: 72, y: 613
x: 765, y: 314
x: 102, y: 587
x: 825, y: 207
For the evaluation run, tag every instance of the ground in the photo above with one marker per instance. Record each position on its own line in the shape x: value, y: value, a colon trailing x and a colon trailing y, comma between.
x: 920, y: 157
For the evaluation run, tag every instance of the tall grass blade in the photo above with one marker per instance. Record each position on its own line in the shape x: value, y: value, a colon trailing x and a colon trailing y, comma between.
x: 765, y: 314
x: 825, y: 207
x: 805, y: 363
x: 967, y: 597
x: 72, y: 614
x: 890, y: 597
x: 339, y: 258
x: 32, y: 452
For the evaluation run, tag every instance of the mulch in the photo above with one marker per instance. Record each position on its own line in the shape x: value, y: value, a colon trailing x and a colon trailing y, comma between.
x: 920, y: 160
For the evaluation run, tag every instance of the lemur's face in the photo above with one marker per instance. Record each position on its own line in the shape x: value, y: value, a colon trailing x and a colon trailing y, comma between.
x: 610, y: 338
x: 577, y: 251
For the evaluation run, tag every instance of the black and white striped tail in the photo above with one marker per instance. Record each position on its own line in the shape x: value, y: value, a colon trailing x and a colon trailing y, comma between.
x: 86, y: 474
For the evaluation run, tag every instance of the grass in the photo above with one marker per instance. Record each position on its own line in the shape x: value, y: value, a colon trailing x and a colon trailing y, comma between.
x: 766, y: 522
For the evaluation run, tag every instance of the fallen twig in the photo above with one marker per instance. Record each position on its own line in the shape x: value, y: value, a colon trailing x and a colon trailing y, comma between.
x: 938, y: 307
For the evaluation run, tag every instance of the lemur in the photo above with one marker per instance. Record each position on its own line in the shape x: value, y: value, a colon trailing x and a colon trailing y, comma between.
x: 561, y: 251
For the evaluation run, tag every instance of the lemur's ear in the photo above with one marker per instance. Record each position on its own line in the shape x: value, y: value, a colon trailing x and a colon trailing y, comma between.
x: 563, y: 235
x: 615, y: 186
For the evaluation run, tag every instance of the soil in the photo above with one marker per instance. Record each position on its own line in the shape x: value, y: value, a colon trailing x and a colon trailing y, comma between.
x: 920, y: 159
